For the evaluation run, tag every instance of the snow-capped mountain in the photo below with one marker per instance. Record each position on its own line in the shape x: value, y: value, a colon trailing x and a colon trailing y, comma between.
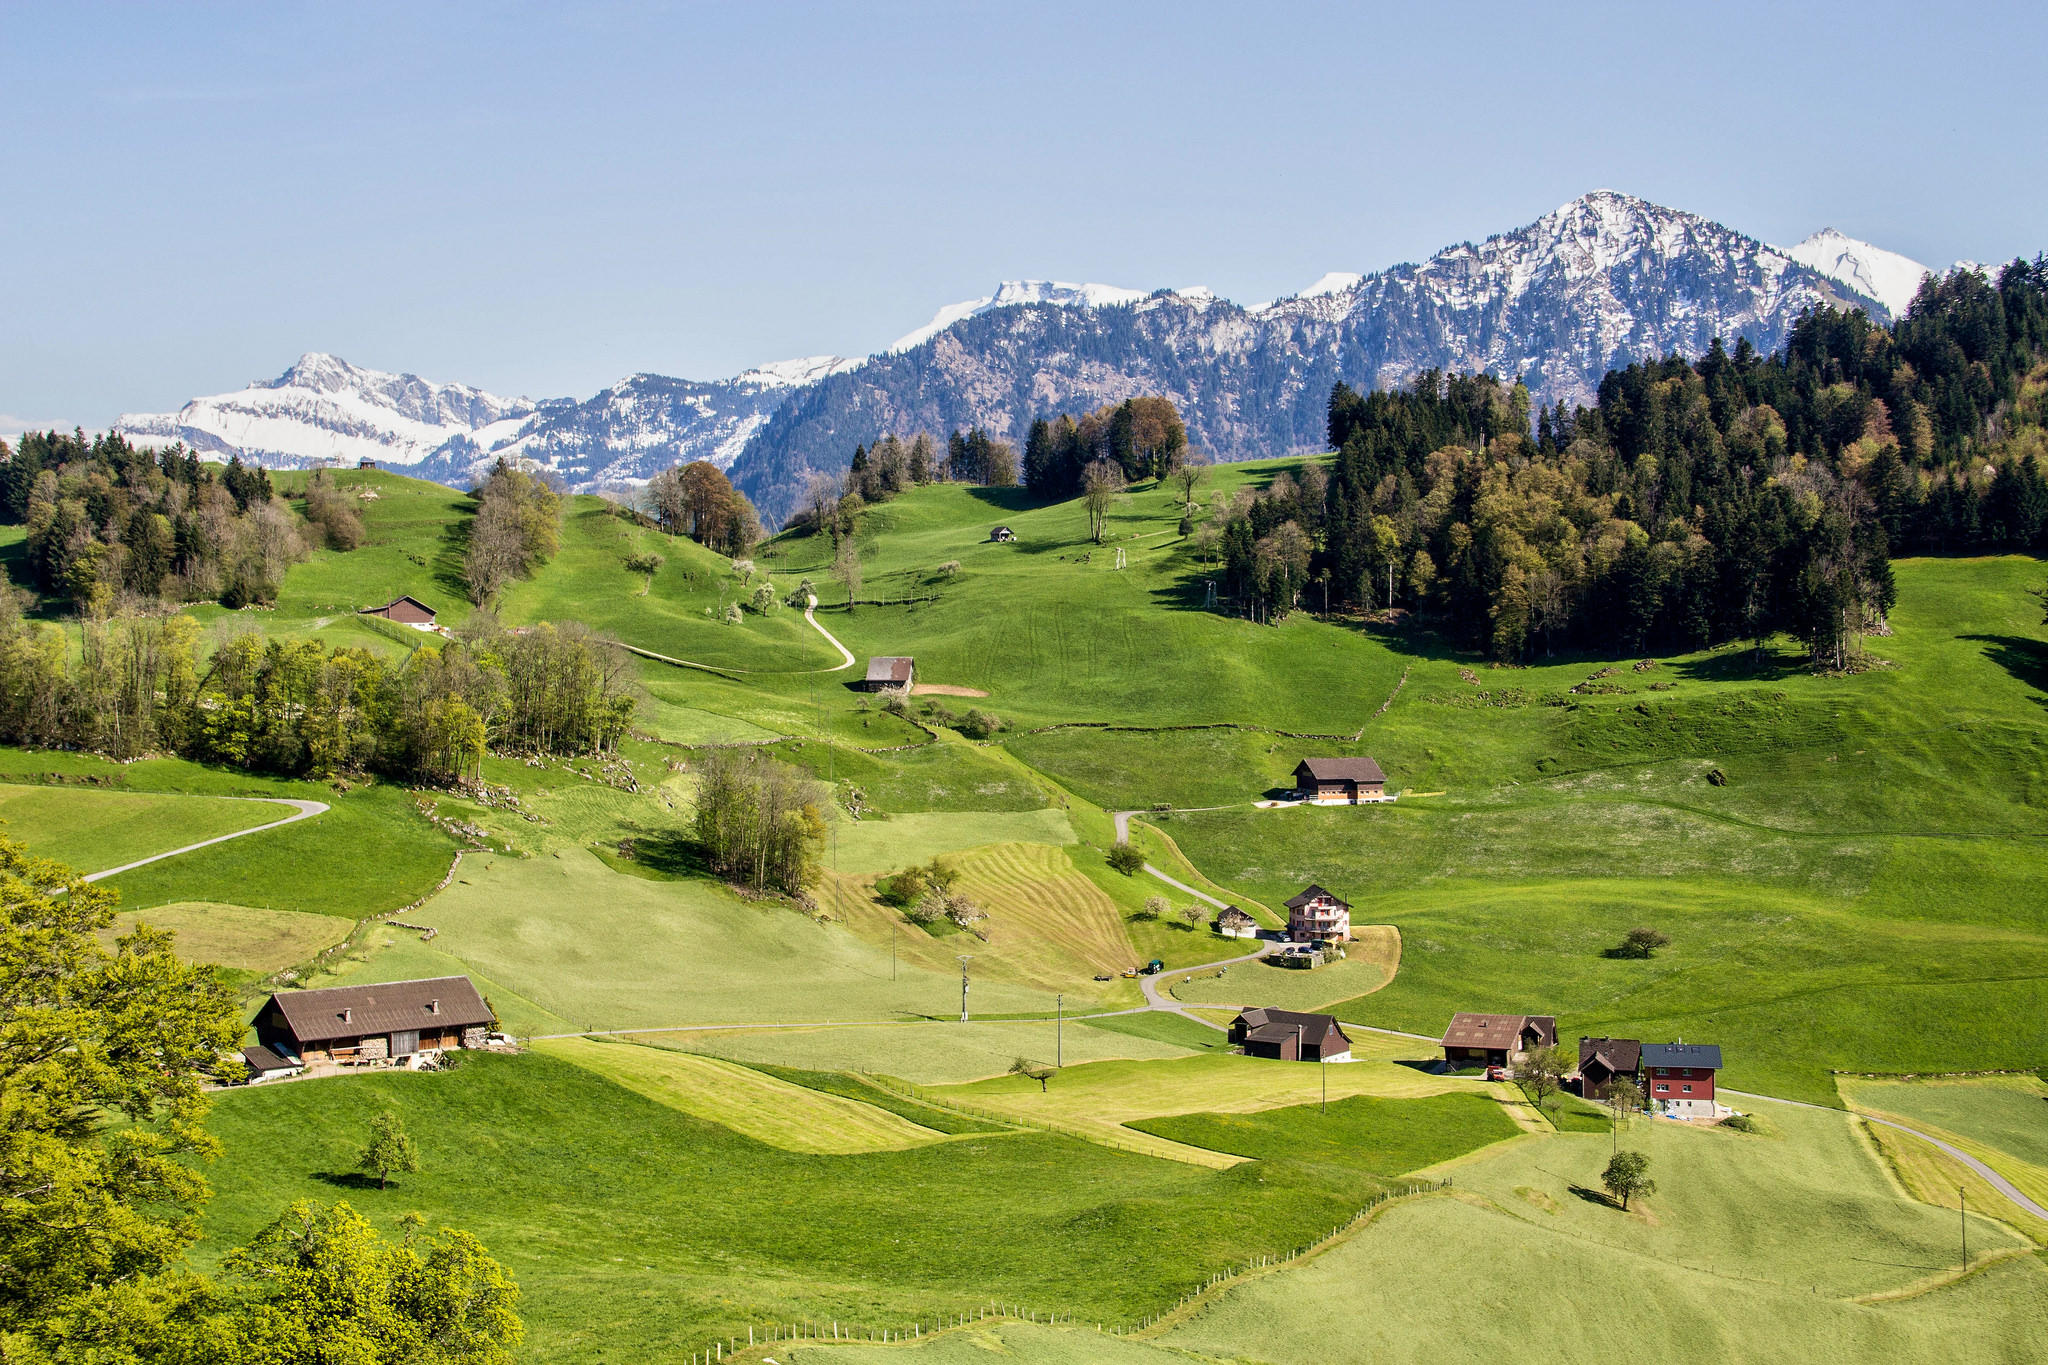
x: 1604, y: 280
x: 1869, y: 270
x: 324, y: 408
x: 1053, y: 292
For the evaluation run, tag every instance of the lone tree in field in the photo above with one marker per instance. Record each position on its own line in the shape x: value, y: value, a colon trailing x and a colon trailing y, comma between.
x: 1155, y: 906
x: 1192, y: 915
x: 1540, y: 1072
x: 846, y: 568
x: 1030, y: 1070
x: 1126, y: 859
x: 1102, y: 483
x: 1624, y: 1097
x: 1640, y: 943
x: 1627, y: 1176
x: 391, y: 1151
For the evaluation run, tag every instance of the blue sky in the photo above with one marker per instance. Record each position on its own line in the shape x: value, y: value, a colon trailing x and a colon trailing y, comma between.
x: 540, y: 200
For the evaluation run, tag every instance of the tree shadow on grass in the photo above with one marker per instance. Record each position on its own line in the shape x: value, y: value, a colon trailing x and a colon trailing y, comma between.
x: 347, y: 1180
x: 2026, y: 660
x: 1600, y: 1197
x: 446, y: 565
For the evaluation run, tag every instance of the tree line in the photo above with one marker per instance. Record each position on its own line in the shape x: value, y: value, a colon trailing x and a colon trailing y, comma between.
x: 1143, y: 438
x: 107, y: 520
x: 1697, y: 501
x: 759, y: 823
x: 142, y: 683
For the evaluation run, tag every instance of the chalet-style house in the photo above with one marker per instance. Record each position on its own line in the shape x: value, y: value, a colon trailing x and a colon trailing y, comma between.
x: 1286, y: 1036
x: 1002, y: 535
x: 407, y: 611
x: 1339, y: 781
x: 1316, y: 916
x: 388, y: 1021
x: 366, y: 463
x: 1232, y: 922
x: 1680, y: 1079
x: 886, y: 671
x: 1603, y: 1061
x: 1496, y: 1039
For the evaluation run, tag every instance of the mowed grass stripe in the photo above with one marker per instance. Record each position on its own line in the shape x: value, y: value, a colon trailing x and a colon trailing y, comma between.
x: 1036, y: 891
x: 749, y: 1102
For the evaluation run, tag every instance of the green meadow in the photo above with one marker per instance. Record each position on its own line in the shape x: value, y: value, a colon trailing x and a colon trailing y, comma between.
x: 1851, y: 871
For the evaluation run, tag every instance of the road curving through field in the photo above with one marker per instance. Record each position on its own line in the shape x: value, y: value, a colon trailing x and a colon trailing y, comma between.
x: 301, y: 810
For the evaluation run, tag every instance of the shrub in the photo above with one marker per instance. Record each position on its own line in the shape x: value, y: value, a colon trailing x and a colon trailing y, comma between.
x: 644, y: 562
x: 980, y: 724
x: 1640, y: 943
x: 1741, y: 1123
x: 905, y: 888
x: 1126, y: 859
x: 733, y: 614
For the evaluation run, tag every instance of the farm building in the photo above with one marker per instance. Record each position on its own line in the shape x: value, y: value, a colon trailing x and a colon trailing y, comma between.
x: 366, y: 463
x: 890, y: 670
x: 1496, y: 1039
x: 407, y: 611
x: 265, y: 1065
x: 1681, y: 1078
x: 1339, y: 781
x: 1316, y: 916
x: 383, y: 1022
x: 1002, y: 535
x: 1232, y: 922
x: 1603, y: 1061
x: 1287, y: 1036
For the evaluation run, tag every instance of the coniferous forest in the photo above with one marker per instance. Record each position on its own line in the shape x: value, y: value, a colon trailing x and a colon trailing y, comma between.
x: 1726, y: 498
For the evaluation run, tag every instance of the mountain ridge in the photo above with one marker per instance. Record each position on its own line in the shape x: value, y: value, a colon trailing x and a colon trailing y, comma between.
x: 1602, y: 280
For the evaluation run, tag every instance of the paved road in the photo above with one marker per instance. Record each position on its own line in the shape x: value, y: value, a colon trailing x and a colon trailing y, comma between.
x: 301, y: 810
x: 844, y: 652
x: 1993, y: 1178
x: 845, y: 655
x: 1123, y: 836
x: 1150, y: 984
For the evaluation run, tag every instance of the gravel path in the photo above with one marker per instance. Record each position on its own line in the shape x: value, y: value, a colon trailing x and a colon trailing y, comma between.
x: 301, y: 810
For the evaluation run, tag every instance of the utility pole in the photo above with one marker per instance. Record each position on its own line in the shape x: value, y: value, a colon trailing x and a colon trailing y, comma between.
x: 1962, y: 1207
x: 1324, y: 1067
x: 965, y: 958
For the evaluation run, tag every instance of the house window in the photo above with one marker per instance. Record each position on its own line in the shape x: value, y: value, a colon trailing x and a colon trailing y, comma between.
x: 1663, y: 1071
x: 1686, y: 1088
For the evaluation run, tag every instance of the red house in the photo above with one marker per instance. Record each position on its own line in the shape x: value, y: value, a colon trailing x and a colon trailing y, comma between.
x: 1680, y: 1078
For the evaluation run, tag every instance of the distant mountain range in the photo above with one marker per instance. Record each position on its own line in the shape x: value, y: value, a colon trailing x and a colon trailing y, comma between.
x: 1604, y: 280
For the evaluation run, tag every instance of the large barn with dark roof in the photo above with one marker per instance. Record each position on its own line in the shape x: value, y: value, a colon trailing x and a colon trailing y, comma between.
x: 387, y: 1021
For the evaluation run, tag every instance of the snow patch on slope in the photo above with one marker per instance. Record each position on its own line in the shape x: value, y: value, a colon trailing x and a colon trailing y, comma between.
x: 1055, y: 292
x: 1883, y: 275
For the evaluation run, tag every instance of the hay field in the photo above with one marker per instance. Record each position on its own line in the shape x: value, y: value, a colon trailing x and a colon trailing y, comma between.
x: 937, y: 1054
x: 749, y: 1102
x: 238, y: 936
x: 866, y: 848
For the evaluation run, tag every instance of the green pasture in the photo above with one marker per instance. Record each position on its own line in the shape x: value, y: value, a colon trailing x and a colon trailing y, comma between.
x: 625, y: 1219
x: 92, y: 829
x: 369, y: 853
x: 2009, y: 1113
x: 1385, y: 1136
x: 1751, y: 1249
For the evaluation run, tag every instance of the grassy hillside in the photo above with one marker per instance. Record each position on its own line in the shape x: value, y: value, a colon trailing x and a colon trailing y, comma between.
x: 94, y: 829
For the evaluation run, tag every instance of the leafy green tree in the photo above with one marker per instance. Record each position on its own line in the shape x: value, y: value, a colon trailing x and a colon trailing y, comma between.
x: 320, y: 1286
x: 1126, y: 859
x: 1628, y: 1177
x: 94, y: 1030
x: 1640, y: 942
x: 1540, y: 1072
x: 390, y: 1150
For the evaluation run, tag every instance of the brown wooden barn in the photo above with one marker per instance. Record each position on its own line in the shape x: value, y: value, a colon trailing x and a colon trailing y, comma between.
x: 1339, y: 781
x: 1287, y: 1036
x: 890, y: 670
x: 1496, y: 1039
x: 407, y: 611
x: 383, y: 1022
x: 1603, y: 1061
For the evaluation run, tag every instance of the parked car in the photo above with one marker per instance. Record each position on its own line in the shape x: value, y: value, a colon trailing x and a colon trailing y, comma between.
x: 1154, y: 967
x: 1496, y: 1073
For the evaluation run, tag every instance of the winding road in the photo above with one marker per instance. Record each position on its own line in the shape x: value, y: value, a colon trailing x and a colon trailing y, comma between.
x: 301, y: 810
x: 845, y: 655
